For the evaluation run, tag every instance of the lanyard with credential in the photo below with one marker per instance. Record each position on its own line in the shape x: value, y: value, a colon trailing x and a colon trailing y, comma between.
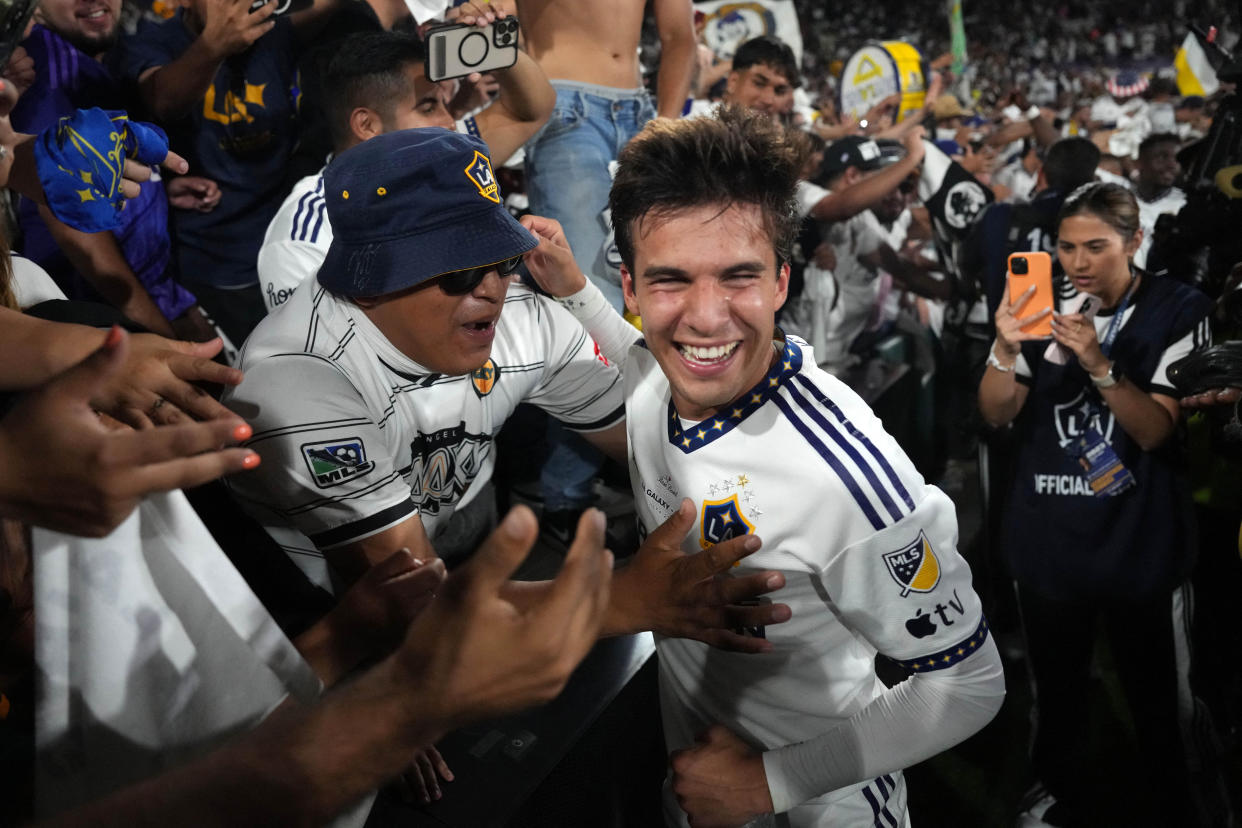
x: 1114, y: 324
x: 1106, y: 475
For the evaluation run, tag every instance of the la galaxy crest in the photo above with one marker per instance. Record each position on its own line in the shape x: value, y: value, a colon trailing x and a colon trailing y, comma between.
x: 914, y: 567
x: 337, y: 461
x: 722, y: 520
x: 484, y: 379
x: 480, y: 174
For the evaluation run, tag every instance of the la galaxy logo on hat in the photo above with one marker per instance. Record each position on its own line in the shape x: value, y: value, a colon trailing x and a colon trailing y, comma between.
x: 484, y: 378
x: 336, y: 461
x: 915, y: 567
x: 480, y: 174
x: 411, y: 205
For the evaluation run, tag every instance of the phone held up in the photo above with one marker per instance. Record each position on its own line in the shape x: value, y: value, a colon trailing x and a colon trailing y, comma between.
x: 1029, y: 269
x: 456, y: 50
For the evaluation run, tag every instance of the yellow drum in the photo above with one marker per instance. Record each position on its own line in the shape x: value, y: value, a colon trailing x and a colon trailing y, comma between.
x: 878, y: 70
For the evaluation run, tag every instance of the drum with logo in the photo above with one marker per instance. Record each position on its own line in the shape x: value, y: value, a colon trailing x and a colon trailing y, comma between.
x: 878, y: 70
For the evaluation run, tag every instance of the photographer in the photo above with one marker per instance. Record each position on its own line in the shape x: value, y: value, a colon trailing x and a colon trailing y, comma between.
x: 1108, y: 547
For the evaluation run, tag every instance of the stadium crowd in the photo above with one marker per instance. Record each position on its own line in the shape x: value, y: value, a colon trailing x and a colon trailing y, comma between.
x: 306, y: 351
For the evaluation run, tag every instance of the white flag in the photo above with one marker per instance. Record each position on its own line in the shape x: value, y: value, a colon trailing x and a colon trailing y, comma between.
x: 1195, y: 75
x: 731, y: 23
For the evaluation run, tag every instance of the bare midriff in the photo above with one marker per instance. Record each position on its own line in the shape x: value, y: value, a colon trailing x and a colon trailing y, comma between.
x: 588, y: 41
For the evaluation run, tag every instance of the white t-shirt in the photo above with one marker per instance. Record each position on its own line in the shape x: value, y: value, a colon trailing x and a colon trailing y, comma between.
x: 868, y: 550
x: 356, y: 437
x: 1170, y: 202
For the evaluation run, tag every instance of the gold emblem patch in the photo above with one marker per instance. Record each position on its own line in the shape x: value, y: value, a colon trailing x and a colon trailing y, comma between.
x: 484, y: 379
x: 480, y: 174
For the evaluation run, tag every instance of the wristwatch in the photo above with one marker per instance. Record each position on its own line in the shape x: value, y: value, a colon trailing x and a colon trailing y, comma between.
x: 1110, y: 378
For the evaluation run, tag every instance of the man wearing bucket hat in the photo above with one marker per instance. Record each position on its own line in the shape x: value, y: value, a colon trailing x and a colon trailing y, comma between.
x: 377, y: 391
x: 374, y: 397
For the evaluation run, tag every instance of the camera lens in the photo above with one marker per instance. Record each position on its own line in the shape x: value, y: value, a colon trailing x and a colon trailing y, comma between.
x: 1019, y: 266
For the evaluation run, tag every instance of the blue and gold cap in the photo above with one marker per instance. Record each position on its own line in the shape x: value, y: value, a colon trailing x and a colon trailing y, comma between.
x: 411, y: 205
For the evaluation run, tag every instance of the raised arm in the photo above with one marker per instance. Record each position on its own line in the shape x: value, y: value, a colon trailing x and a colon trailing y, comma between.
x: 843, y: 204
x: 675, y: 24
x: 171, y: 90
x: 526, y: 98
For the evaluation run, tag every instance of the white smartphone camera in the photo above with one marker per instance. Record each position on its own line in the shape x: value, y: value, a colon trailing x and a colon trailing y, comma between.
x: 456, y: 50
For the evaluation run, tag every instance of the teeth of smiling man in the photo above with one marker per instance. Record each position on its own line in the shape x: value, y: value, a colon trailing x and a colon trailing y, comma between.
x: 709, y: 354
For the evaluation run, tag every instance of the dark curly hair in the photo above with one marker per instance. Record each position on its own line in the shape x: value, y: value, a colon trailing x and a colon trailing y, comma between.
x: 737, y: 157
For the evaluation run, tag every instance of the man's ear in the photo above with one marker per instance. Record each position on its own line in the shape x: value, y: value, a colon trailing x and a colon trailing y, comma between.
x: 365, y: 123
x: 731, y: 82
x: 627, y: 290
x: 782, y: 285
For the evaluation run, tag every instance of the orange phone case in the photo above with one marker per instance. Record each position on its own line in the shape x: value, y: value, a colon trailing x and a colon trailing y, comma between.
x: 1039, y: 274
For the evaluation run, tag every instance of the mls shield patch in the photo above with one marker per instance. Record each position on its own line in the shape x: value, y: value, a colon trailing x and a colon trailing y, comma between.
x: 480, y: 174
x: 915, y: 568
x: 722, y: 520
x: 337, y: 461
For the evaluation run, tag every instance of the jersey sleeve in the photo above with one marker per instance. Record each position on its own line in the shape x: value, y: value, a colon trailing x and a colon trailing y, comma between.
x: 1186, y: 342
x: 325, y: 469
x: 580, y: 386
x: 283, y: 265
x: 907, y: 591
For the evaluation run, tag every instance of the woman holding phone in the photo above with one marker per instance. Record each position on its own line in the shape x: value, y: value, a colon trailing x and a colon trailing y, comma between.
x: 1098, y: 529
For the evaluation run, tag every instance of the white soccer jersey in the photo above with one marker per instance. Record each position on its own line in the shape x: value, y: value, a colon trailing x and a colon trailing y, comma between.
x: 297, y: 240
x: 1170, y: 202
x: 867, y: 548
x: 356, y: 437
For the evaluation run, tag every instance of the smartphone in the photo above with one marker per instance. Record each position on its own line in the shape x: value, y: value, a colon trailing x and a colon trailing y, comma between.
x: 1025, y: 270
x: 14, y: 15
x: 283, y: 6
x: 456, y: 50
x: 1088, y: 306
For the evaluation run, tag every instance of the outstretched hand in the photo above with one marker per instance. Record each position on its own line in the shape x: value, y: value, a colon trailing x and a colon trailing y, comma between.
x: 156, y: 386
x: 88, y: 477
x: 474, y: 654
x: 690, y: 596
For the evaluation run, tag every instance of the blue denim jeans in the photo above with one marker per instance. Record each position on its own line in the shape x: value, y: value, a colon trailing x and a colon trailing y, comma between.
x: 567, y: 179
x: 567, y: 166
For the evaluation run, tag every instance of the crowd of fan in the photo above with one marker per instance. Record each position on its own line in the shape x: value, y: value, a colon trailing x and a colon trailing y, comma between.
x: 889, y: 278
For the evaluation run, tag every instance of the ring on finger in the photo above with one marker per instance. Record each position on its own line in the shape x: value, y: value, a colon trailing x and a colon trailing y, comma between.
x: 155, y: 406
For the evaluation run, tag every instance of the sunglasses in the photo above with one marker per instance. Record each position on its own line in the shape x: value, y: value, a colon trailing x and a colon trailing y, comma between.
x: 461, y: 282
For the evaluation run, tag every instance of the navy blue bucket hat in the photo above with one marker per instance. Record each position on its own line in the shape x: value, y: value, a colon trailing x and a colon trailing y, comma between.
x: 409, y: 206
